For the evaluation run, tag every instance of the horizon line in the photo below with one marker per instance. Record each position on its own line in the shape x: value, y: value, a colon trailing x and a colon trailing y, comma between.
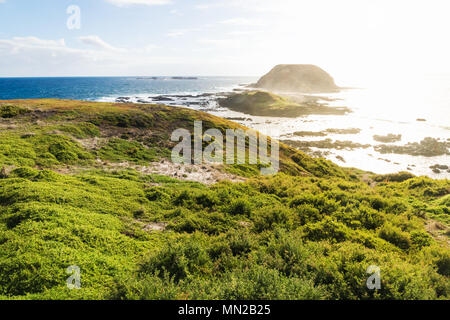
x: 134, y: 76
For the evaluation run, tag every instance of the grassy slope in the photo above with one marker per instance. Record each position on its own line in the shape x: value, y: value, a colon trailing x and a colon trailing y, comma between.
x: 308, y: 232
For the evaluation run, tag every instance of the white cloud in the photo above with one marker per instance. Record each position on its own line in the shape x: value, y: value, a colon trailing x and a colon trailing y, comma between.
x: 180, y: 32
x: 242, y: 22
x: 253, y: 4
x: 243, y: 33
x: 124, y: 3
x: 35, y: 42
x: 175, y: 34
x: 97, y: 42
x: 176, y: 12
x: 225, y: 43
x: 32, y: 56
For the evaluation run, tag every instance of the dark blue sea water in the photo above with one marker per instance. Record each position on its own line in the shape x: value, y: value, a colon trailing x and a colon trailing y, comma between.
x: 97, y: 88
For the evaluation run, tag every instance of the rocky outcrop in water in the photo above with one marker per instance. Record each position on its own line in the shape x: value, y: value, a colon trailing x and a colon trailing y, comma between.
x: 428, y: 147
x: 438, y: 167
x: 390, y: 138
x: 303, y: 78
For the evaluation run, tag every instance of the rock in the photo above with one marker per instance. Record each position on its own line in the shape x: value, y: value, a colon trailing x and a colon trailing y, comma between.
x: 390, y: 138
x: 161, y: 98
x: 421, y: 120
x: 428, y: 147
x: 184, y: 78
x: 303, y: 78
x: 340, y: 158
x: 440, y: 167
x: 309, y: 134
x: 326, y: 132
x: 237, y: 119
x: 325, y: 144
x: 123, y: 99
x: 204, y: 95
x: 344, y: 131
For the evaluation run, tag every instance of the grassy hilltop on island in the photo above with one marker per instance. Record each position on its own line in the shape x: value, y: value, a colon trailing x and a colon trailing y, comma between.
x: 92, y: 185
x: 305, y: 78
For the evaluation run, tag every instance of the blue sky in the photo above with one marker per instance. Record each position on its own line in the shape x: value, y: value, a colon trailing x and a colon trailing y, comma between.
x: 349, y: 38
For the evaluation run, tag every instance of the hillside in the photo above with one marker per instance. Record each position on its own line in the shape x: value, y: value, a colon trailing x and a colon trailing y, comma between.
x: 303, y: 78
x: 88, y: 184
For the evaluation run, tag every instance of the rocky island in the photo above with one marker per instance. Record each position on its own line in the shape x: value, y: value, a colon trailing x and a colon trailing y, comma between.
x: 284, y: 92
x: 300, y: 78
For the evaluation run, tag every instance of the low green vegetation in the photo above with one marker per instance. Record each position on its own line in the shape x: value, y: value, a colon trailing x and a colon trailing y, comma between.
x: 11, y: 111
x: 309, y: 232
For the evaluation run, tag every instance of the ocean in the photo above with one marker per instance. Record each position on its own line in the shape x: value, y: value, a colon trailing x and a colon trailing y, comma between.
x: 392, y: 107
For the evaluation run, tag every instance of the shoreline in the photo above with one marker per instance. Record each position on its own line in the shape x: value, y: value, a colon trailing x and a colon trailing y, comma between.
x: 348, y: 151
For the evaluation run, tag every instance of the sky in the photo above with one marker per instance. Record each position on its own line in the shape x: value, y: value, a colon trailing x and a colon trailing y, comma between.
x: 354, y: 40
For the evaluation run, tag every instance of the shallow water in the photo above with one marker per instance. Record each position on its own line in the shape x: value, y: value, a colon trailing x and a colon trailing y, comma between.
x: 396, y: 113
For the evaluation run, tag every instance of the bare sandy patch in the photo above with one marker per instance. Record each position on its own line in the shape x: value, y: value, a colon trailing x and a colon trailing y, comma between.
x: 156, y: 226
x: 438, y: 231
x: 92, y: 143
x: 204, y: 173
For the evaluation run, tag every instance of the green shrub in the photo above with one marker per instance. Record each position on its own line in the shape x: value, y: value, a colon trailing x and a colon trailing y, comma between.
x: 320, y: 202
x: 123, y: 150
x: 180, y: 260
x: 10, y: 111
x: 240, y: 207
x: 207, y: 199
x: 394, y: 177
x: 395, y: 236
x: 81, y: 130
x: 308, y: 214
x: 133, y: 119
x: 327, y: 229
x: 443, y: 264
x: 24, y: 172
x: 420, y: 239
x: 268, y: 218
x: 157, y: 194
